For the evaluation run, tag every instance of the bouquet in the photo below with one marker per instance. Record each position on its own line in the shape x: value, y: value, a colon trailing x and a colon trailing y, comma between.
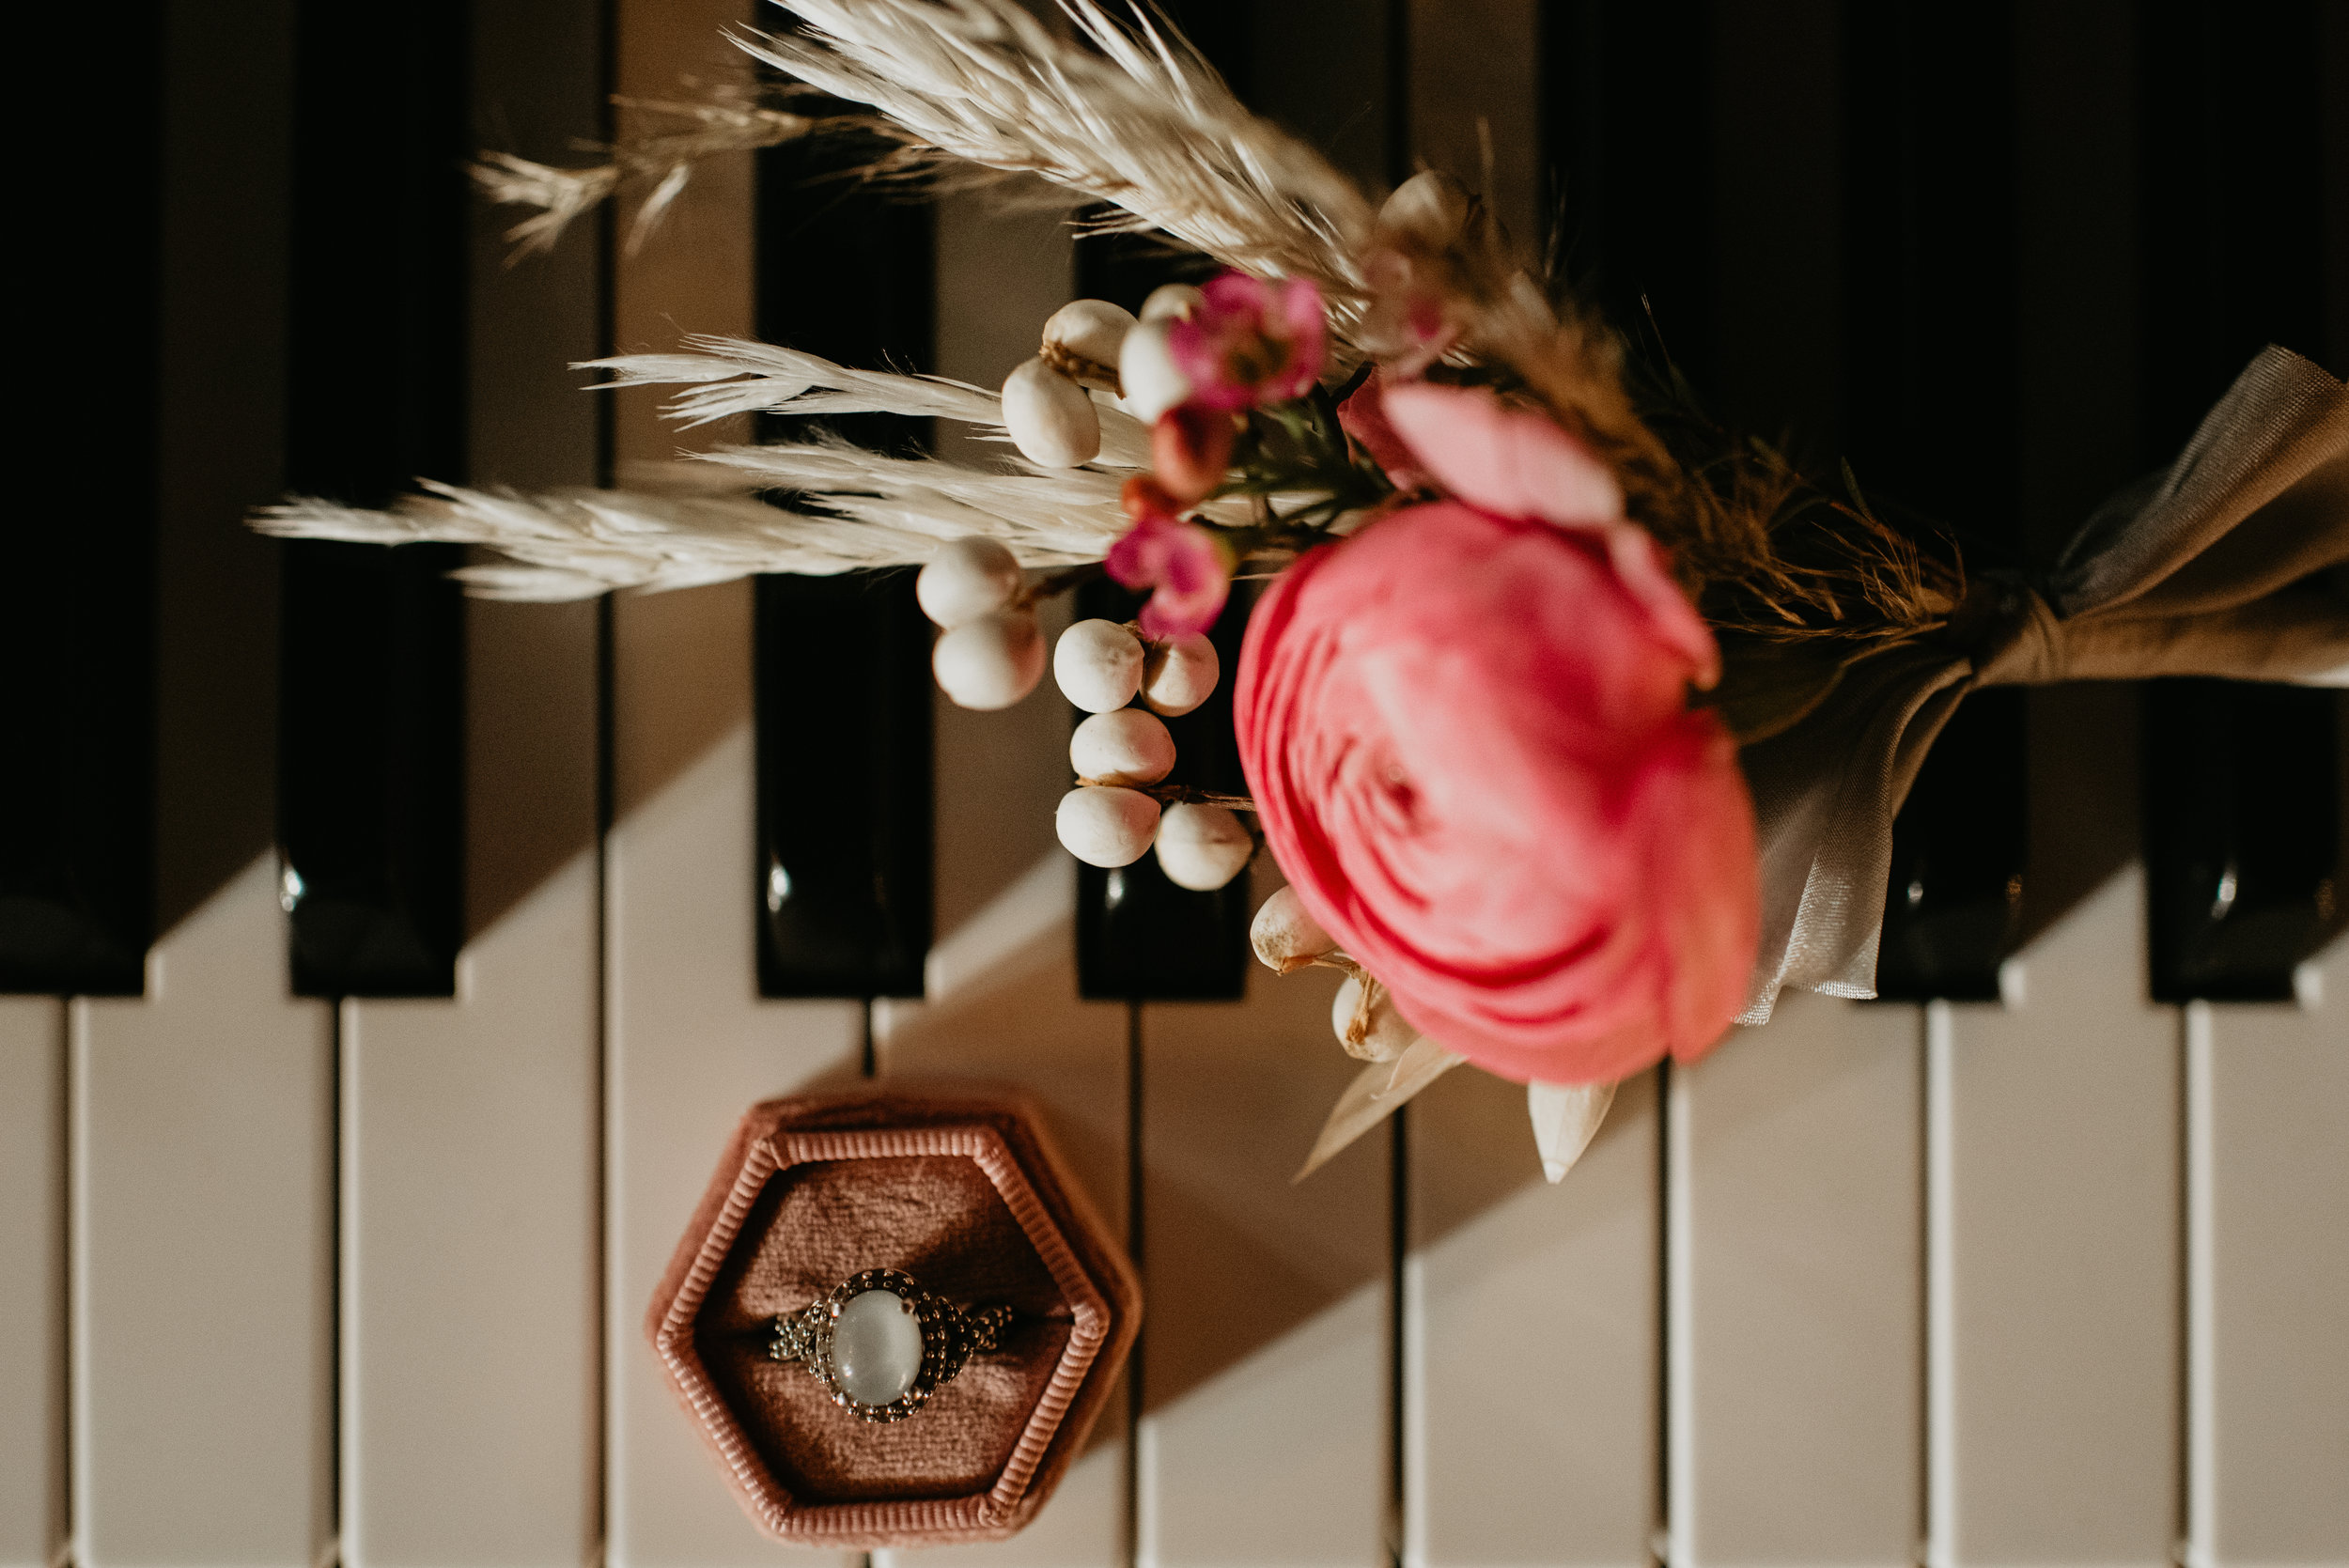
x: 1576, y: 724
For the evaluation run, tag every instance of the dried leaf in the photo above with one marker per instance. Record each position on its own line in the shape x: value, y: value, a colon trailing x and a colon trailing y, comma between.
x: 1375, y: 1094
x: 1566, y: 1116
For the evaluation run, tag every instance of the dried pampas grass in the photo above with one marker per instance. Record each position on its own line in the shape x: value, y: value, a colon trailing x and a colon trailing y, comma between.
x: 1134, y: 118
x: 730, y: 119
x: 728, y: 375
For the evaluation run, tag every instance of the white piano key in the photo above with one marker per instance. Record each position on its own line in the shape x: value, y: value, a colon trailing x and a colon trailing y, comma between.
x: 1263, y: 1434
x: 470, y: 1296
x: 1002, y: 1008
x: 1795, y: 1243
x: 1530, y: 1394
x: 690, y: 1044
x: 2055, y: 1439
x: 32, y: 1282
x: 1001, y: 1001
x: 203, y: 1276
x: 2268, y: 1275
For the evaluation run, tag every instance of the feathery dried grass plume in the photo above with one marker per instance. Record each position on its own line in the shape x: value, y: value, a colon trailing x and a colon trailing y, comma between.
x: 1135, y: 118
x: 728, y: 375
x: 703, y: 520
x: 730, y: 119
x: 851, y: 511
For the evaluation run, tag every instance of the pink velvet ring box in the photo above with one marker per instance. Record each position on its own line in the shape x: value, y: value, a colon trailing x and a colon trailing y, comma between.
x: 962, y: 1191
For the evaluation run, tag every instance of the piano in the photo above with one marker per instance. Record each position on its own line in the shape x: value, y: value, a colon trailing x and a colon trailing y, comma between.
x: 385, y: 969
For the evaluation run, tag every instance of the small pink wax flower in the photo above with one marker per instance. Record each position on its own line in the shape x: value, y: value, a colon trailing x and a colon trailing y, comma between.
x: 1250, y: 341
x: 1184, y: 563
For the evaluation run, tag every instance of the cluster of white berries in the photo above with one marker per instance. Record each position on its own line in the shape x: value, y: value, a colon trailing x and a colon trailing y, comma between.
x: 1107, y: 820
x: 1094, y: 344
x: 1287, y: 937
x: 992, y: 654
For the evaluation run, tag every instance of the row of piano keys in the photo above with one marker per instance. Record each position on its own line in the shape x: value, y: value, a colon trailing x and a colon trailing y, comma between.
x: 2046, y: 1281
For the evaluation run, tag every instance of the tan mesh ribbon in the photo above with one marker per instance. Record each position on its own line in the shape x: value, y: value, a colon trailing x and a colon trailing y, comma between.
x: 2234, y: 561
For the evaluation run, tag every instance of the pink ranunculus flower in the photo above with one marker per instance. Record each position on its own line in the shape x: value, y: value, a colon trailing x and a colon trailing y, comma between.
x: 1467, y: 733
x: 1186, y: 566
x: 1250, y: 341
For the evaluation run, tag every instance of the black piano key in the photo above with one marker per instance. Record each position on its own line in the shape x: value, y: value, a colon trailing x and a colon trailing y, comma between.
x: 842, y: 878
x: 2241, y: 783
x: 370, y: 759
x: 1953, y: 904
x: 1931, y: 424
x: 371, y: 686
x: 1627, y: 127
x: 843, y: 701
x: 77, y: 706
x: 2242, y: 835
x: 1139, y: 937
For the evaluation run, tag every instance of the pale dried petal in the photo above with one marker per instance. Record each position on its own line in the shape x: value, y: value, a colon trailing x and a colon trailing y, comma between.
x: 1377, y: 1091
x: 1566, y: 1116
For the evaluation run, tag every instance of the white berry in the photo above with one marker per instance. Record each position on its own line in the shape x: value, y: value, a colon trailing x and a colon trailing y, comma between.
x: 1285, y: 936
x: 1179, y: 676
x: 1147, y: 372
x: 1106, y: 827
x: 990, y: 662
x: 1387, y: 1036
x: 1171, y: 302
x: 1089, y: 330
x: 968, y: 578
x: 1051, y: 419
x: 1202, y: 848
x: 1124, y: 746
x: 1099, y: 666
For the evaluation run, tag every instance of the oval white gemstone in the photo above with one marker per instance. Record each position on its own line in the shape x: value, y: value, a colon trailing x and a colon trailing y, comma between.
x: 875, y: 1347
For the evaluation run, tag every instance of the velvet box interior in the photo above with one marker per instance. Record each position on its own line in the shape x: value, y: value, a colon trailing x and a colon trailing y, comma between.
x: 963, y: 1192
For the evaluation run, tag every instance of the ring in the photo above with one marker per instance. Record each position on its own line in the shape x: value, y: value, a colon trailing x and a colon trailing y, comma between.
x: 880, y: 1344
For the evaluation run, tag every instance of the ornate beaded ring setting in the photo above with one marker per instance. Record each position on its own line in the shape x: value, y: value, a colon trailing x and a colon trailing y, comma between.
x: 880, y: 1344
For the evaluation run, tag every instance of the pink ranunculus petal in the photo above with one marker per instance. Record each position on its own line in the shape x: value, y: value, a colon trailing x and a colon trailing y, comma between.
x: 1468, y: 738
x: 1510, y: 462
x: 1363, y: 417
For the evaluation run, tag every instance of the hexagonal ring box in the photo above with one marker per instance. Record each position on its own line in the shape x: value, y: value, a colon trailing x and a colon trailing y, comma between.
x: 962, y: 1191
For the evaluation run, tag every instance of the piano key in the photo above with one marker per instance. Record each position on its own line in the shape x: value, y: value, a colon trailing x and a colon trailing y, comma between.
x: 1532, y: 1309
x: 370, y: 700
x: 203, y: 1225
x: 1139, y: 936
x: 2238, y: 780
x: 1001, y: 999
x: 2267, y: 1093
x: 690, y: 1044
x: 77, y: 807
x: 2055, y: 1227
x: 1266, y: 1364
x: 77, y: 604
x: 1953, y: 900
x: 1931, y: 347
x: 469, y: 1297
x: 843, y: 698
x: 470, y: 1150
x: 843, y: 869
x: 33, y: 1504
x: 1529, y: 1391
x: 1793, y: 1295
x: 201, y: 1117
x: 2243, y: 802
x: 370, y: 710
